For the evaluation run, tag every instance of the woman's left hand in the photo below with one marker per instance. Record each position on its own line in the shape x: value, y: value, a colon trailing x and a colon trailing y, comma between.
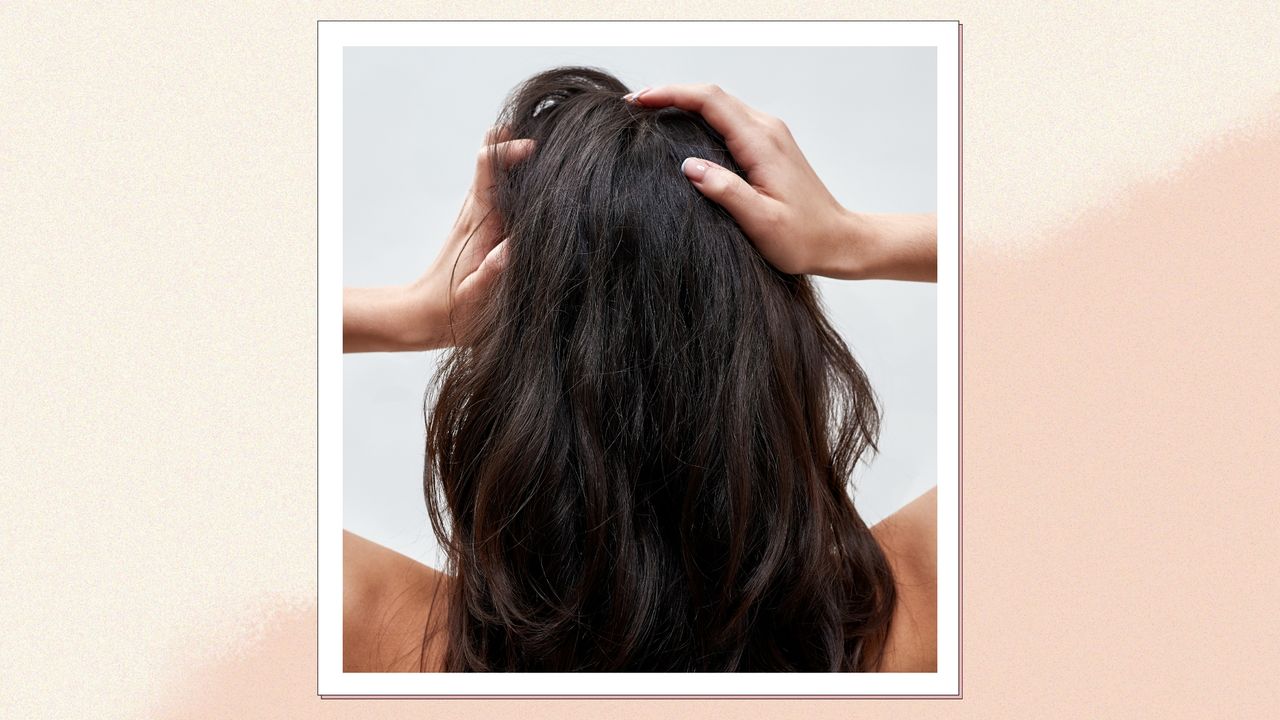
x: 436, y: 308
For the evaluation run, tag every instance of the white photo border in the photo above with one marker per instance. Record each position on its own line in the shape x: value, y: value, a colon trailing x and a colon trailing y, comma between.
x: 332, y: 37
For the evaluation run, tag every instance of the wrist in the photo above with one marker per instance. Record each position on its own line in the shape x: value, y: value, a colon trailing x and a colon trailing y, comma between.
x: 425, y: 321
x: 852, y: 250
x: 887, y: 246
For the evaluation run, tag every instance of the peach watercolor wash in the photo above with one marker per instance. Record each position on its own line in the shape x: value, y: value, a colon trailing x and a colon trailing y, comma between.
x: 1121, y: 404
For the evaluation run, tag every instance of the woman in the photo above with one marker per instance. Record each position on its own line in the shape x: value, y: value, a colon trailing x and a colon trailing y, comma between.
x: 640, y: 444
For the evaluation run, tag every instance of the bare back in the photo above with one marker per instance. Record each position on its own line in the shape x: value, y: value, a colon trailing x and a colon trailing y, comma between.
x: 393, y: 604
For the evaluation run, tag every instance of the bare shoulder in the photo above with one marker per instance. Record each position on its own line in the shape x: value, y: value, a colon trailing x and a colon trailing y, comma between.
x: 389, y: 603
x: 909, y: 539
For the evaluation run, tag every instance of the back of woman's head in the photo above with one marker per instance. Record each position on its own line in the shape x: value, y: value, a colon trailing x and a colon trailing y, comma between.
x: 639, y: 459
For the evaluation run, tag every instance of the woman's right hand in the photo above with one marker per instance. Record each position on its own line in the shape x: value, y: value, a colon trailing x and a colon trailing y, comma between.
x: 784, y: 208
x: 436, y: 310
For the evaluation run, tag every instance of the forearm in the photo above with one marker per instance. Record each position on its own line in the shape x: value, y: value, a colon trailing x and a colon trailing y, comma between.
x: 884, y: 246
x: 388, y: 319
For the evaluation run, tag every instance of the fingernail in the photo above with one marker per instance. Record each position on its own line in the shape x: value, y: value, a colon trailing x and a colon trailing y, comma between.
x: 694, y: 169
x: 634, y: 96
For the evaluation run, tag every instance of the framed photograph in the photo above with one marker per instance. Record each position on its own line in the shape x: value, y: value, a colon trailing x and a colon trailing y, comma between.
x: 639, y: 358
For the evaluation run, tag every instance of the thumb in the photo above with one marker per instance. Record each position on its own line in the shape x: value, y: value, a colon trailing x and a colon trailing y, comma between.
x: 478, y: 282
x: 726, y: 188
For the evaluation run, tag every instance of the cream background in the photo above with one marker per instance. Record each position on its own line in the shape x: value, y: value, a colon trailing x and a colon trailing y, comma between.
x: 157, y: 351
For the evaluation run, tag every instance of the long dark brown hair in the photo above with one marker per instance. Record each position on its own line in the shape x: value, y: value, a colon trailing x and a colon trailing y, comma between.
x: 639, y: 459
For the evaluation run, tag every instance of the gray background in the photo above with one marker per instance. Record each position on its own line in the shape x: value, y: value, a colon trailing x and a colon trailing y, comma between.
x: 413, y: 119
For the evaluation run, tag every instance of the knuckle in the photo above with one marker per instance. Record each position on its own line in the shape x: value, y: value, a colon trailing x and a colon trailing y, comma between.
x: 775, y: 128
x: 734, y: 188
x: 717, y: 184
x: 720, y: 190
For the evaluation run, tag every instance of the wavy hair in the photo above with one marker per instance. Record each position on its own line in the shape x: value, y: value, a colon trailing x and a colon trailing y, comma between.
x: 639, y: 459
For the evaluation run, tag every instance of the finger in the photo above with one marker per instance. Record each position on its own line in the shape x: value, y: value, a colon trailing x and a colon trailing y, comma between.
x: 722, y: 111
x: 497, y: 134
x: 728, y: 190
x: 506, y: 154
x: 513, y: 151
x: 479, y: 281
